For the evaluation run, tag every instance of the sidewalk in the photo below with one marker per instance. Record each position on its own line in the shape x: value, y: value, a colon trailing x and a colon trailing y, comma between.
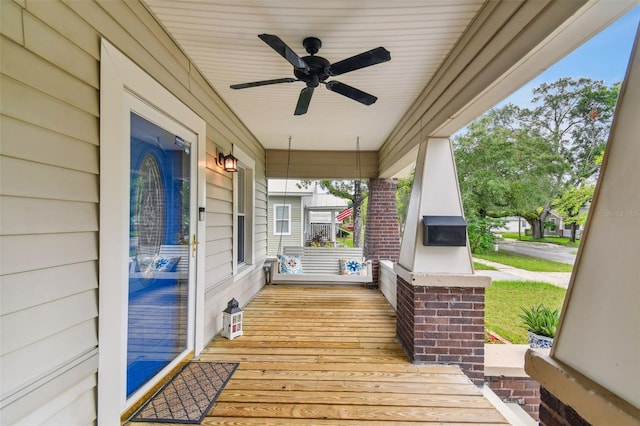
x: 509, y: 273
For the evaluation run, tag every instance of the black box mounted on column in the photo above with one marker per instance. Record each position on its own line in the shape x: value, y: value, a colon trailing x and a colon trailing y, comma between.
x: 449, y: 231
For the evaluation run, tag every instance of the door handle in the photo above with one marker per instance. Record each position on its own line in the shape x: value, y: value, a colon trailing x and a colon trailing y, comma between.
x: 194, y: 245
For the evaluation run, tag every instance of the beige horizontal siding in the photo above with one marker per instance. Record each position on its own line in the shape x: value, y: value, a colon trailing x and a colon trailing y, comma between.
x: 27, y: 289
x: 75, y: 340
x: 40, y: 216
x: 63, y: 21
x: 29, y: 179
x: 40, y: 74
x: 11, y: 21
x: 42, y: 110
x: 49, y: 175
x: 215, y: 233
x: 19, y: 329
x: 59, y: 51
x: 40, y: 145
x: 22, y: 253
x: 65, y: 398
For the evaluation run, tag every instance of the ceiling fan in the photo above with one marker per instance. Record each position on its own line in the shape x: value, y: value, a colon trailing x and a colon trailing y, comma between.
x: 314, y: 70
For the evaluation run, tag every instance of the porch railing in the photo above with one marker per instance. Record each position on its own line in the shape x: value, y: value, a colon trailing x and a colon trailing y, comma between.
x: 320, y: 232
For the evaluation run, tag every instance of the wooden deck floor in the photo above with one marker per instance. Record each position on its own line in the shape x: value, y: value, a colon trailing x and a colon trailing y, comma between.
x: 328, y: 355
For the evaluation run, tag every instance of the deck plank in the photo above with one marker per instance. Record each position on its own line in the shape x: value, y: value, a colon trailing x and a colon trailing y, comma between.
x: 328, y: 355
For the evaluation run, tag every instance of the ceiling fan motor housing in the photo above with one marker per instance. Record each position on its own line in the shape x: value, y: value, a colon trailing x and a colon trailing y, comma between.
x: 318, y: 71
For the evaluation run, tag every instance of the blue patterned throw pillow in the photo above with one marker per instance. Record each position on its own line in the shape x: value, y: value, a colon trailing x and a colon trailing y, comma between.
x: 353, y: 266
x: 164, y: 264
x: 290, y: 265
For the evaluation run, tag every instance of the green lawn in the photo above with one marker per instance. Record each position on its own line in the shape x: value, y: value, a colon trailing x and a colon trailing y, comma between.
x: 482, y: 267
x: 563, y: 241
x: 527, y: 263
x: 504, y: 299
x: 347, y: 241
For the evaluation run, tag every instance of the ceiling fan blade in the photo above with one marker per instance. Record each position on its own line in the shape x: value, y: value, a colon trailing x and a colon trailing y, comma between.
x: 263, y: 83
x: 351, y: 92
x: 285, y: 51
x: 303, y: 101
x: 365, y: 59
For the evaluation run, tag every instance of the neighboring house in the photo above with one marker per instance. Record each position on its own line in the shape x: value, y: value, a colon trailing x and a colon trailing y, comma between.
x: 285, y: 214
x: 513, y: 224
x: 320, y: 211
x: 297, y: 215
x: 555, y: 226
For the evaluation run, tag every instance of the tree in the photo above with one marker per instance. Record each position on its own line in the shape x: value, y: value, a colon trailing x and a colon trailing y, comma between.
x: 503, y: 169
x: 571, y: 205
x: 596, y: 109
x: 574, y: 116
x: 353, y: 190
x: 403, y: 195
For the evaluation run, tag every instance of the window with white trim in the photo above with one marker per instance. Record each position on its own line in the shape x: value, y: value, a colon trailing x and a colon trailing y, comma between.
x: 241, y: 217
x: 282, y: 219
x: 243, y: 210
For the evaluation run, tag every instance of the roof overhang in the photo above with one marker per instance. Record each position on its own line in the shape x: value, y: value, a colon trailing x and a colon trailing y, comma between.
x: 450, y: 62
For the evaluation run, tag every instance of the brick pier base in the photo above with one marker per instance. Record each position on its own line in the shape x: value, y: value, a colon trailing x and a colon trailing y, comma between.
x: 382, y: 236
x: 443, y: 325
x: 554, y: 412
x: 523, y: 391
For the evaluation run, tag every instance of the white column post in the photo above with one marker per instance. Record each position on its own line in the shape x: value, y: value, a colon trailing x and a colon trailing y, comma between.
x: 435, y: 192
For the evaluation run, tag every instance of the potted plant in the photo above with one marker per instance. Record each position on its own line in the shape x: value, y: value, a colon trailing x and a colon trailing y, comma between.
x: 541, y: 322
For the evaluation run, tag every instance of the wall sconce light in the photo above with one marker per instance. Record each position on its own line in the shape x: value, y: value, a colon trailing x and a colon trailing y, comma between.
x: 228, y: 162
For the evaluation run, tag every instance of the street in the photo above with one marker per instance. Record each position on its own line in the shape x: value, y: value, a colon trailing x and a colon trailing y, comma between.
x: 541, y: 250
x: 547, y: 251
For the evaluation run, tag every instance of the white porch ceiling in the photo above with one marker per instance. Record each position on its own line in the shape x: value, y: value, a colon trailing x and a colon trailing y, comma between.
x: 221, y: 38
x: 450, y: 61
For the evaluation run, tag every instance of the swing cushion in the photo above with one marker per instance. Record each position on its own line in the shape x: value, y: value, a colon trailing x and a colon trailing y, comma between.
x: 164, y: 264
x: 290, y: 264
x: 353, y: 266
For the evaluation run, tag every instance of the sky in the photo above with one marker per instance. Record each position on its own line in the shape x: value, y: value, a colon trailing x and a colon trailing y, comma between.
x: 603, y: 57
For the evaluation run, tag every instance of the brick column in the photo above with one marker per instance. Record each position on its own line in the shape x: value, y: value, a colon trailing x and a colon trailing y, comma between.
x: 442, y: 325
x: 557, y: 413
x: 382, y: 235
x: 523, y: 391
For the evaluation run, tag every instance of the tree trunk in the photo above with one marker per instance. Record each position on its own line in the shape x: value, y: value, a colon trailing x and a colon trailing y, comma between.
x: 574, y: 228
x: 357, y: 227
x: 536, y: 228
x: 537, y: 223
x: 357, y: 214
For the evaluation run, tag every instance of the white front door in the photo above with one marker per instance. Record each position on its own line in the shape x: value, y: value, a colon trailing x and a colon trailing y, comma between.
x: 161, y: 233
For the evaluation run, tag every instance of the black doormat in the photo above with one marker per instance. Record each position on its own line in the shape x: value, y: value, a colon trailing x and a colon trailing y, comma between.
x: 189, y: 395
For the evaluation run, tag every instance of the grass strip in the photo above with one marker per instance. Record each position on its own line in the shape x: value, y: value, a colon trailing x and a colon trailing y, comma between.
x: 482, y: 267
x: 504, y: 299
x: 527, y: 263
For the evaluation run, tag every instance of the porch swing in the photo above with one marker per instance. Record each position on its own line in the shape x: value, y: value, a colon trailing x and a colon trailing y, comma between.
x: 320, y: 265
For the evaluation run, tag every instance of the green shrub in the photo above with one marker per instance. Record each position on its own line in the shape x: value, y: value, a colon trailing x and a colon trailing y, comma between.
x: 480, y: 231
x: 540, y: 320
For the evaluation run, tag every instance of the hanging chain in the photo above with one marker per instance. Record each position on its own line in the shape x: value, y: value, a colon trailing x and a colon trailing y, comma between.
x: 286, y: 184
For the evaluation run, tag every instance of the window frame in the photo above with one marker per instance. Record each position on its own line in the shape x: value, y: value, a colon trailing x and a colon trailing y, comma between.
x: 247, y: 164
x: 275, y: 219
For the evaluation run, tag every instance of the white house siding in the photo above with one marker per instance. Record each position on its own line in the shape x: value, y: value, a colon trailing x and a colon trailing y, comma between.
x: 49, y: 175
x: 295, y: 238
